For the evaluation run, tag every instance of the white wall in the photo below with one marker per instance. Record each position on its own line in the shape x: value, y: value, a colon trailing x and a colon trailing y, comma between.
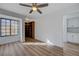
x: 50, y: 26
x: 8, y: 39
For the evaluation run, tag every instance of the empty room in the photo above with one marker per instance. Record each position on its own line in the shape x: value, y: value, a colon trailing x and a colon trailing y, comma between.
x: 39, y: 29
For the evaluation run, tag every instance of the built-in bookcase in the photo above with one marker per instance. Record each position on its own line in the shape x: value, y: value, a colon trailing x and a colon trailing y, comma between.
x: 71, y: 28
x: 73, y: 25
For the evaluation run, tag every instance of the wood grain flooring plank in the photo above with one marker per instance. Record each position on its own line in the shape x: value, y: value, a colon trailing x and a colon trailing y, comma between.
x: 19, y: 49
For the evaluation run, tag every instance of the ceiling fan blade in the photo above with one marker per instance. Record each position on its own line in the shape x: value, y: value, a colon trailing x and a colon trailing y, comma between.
x: 43, y: 5
x: 39, y: 11
x: 25, y: 5
x: 31, y: 11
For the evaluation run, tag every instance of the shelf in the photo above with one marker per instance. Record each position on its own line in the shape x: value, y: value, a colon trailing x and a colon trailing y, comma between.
x: 73, y: 29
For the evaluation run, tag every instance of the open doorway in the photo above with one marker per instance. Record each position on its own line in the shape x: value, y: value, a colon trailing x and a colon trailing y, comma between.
x: 30, y: 31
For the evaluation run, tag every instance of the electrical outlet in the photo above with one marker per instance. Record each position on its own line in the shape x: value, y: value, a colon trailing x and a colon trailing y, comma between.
x: 72, y: 35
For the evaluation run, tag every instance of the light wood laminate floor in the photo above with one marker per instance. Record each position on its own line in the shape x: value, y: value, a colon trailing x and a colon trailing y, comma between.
x: 27, y: 39
x: 20, y: 49
x: 38, y: 49
x: 71, y: 49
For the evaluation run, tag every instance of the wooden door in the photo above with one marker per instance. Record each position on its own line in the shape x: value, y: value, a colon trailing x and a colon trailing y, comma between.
x: 30, y: 29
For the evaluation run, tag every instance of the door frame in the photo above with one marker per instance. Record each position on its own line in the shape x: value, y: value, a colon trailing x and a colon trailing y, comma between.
x: 33, y: 29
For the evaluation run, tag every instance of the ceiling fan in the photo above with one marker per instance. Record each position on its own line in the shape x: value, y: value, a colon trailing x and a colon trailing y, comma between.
x: 35, y: 7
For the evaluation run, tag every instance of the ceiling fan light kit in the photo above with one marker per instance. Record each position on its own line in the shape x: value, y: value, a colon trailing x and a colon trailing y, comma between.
x: 35, y: 7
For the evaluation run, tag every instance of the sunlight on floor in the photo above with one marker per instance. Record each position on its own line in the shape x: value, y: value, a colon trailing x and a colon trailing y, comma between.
x: 33, y: 43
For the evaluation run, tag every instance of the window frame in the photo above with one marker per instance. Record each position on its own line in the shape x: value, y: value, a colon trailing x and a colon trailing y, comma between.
x: 10, y: 27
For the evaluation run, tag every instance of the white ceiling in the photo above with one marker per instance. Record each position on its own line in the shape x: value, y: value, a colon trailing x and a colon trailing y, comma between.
x: 52, y: 7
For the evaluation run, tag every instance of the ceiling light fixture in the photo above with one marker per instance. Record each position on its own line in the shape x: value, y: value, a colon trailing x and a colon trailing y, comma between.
x: 34, y: 8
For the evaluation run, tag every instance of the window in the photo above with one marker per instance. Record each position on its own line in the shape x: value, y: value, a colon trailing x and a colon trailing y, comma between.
x: 8, y: 27
x: 14, y: 28
x: 2, y: 31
